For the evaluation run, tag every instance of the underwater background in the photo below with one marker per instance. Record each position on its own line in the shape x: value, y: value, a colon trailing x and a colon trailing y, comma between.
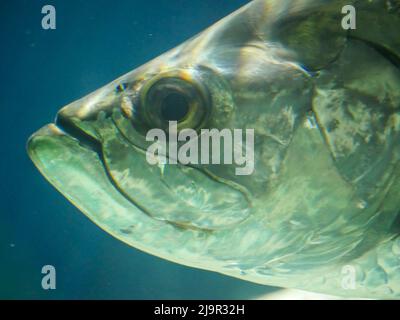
x: 42, y: 70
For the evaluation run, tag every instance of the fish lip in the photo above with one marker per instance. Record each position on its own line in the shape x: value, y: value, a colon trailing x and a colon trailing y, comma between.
x: 64, y: 126
x: 49, y: 129
x: 68, y: 127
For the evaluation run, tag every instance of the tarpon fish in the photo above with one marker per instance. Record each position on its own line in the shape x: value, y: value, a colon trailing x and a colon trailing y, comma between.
x: 319, y: 213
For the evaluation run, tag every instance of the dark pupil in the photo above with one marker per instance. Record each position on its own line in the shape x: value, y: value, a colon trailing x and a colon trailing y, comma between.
x: 174, y: 107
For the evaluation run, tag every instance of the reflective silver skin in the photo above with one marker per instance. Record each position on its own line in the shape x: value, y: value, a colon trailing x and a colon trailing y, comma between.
x: 323, y: 201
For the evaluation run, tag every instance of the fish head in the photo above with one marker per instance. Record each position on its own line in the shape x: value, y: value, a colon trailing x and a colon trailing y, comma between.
x: 284, y: 204
x: 223, y: 79
x: 96, y: 152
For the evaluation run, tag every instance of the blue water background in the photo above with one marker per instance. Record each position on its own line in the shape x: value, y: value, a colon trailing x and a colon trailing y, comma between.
x: 41, y: 71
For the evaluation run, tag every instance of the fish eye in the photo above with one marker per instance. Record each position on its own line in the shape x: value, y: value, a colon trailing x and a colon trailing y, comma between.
x: 174, y: 107
x: 173, y: 98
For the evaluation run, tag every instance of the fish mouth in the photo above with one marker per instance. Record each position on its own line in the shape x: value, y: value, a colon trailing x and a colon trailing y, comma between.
x: 61, y: 149
x: 67, y: 126
x: 73, y: 164
x: 75, y: 169
x: 81, y: 166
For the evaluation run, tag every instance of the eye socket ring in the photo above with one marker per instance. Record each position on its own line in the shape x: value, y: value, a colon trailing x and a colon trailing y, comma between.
x: 174, y: 96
